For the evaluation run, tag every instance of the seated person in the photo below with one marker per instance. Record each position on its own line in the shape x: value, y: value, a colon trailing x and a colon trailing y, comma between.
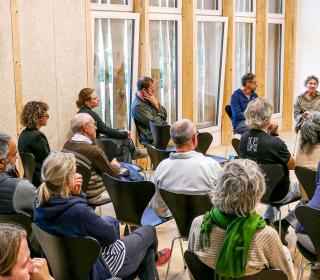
x: 239, y: 101
x: 126, y: 151
x: 185, y: 171
x: 145, y: 108
x: 258, y: 145
x: 32, y: 140
x: 15, y: 261
x: 232, y: 238
x: 62, y: 210
x: 82, y: 146
x: 308, y: 101
x: 304, y: 238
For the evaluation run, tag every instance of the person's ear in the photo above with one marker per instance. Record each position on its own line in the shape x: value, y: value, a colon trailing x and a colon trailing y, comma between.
x: 3, y: 164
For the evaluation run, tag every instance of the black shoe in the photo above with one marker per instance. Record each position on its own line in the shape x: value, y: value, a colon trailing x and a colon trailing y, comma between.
x: 284, y: 231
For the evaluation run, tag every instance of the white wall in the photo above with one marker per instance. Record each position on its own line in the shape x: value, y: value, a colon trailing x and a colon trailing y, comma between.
x: 308, y: 42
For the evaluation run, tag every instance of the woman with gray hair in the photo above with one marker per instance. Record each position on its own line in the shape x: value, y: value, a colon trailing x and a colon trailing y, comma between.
x: 232, y: 238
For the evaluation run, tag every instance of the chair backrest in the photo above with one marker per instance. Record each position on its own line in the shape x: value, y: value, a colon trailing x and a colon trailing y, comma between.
x: 157, y: 155
x: 29, y: 165
x: 129, y: 199
x: 228, y: 111
x: 18, y: 219
x: 185, y: 208
x: 307, y: 179
x: 201, y: 271
x: 86, y: 175
x: 204, y: 142
x: 273, y: 174
x: 235, y: 142
x: 69, y: 258
x: 108, y: 146
x: 160, y: 135
x: 310, y: 220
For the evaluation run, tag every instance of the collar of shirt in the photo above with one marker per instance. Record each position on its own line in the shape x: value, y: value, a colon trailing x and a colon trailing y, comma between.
x: 81, y: 138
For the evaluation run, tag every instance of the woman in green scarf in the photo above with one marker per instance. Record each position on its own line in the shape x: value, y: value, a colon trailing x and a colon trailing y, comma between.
x: 232, y: 238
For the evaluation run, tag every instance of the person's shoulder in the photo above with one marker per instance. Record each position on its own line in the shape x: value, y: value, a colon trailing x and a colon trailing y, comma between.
x: 236, y: 92
x: 265, y: 235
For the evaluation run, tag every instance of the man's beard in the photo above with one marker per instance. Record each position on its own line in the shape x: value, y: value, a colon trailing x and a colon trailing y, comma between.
x: 10, y: 167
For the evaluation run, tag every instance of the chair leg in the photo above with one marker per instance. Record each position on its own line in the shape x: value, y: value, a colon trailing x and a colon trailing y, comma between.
x: 279, y: 210
x: 181, y: 247
x: 300, y: 267
x: 172, y: 243
x: 100, y: 211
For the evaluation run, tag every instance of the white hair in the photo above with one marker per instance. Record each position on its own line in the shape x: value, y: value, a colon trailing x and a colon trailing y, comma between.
x: 79, y: 120
x: 182, y: 131
x: 258, y: 113
x: 4, y: 145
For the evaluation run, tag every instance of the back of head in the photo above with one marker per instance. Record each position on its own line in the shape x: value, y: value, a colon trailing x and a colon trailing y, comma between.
x: 78, y: 121
x: 239, y: 188
x: 57, y: 169
x: 246, y: 78
x: 144, y: 83
x: 4, y: 145
x: 181, y: 132
x: 258, y: 113
x: 310, y: 132
x: 10, y: 241
x: 32, y: 112
x: 83, y: 96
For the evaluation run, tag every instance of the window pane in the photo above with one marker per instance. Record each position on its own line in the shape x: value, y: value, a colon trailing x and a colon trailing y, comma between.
x: 243, y: 49
x: 208, y: 4
x: 209, y: 46
x: 119, y: 2
x: 274, y: 65
x: 275, y: 6
x: 244, y: 6
x: 163, y: 52
x: 113, y: 44
x: 163, y: 3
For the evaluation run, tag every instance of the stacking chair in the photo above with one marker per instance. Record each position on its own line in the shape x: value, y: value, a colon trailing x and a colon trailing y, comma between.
x: 29, y: 165
x: 130, y: 201
x: 201, y: 271
x: 310, y: 220
x: 184, y: 209
x: 156, y: 156
x: 68, y: 258
x: 228, y: 111
x: 18, y: 219
x: 160, y: 135
x: 235, y: 142
x: 307, y: 179
x: 86, y: 175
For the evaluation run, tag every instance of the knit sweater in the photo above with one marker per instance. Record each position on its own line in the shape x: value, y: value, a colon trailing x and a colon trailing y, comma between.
x: 266, y: 250
x: 93, y: 158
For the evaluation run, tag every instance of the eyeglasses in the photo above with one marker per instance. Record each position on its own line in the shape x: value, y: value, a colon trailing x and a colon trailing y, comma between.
x: 93, y: 124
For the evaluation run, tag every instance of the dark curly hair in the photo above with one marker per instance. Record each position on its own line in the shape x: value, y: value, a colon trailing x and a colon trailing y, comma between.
x: 83, y: 96
x: 32, y: 112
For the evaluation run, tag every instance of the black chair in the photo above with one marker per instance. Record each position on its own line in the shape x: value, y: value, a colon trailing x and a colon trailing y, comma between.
x: 86, y: 175
x: 235, y: 142
x: 307, y: 179
x: 108, y: 147
x: 310, y: 220
x: 18, y: 219
x: 68, y: 258
x: 201, y: 271
x: 156, y: 156
x: 228, y: 111
x: 160, y: 135
x: 29, y: 165
x: 204, y: 142
x: 184, y: 209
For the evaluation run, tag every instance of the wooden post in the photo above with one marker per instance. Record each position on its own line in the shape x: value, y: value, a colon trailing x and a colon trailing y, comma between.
x: 226, y: 126
x: 89, y: 44
x: 261, y: 46
x: 289, y: 62
x: 189, y: 59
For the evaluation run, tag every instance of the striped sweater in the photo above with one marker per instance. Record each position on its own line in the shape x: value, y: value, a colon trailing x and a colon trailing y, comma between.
x: 94, y: 159
x: 266, y: 250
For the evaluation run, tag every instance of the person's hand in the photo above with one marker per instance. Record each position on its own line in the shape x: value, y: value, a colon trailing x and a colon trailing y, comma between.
x: 115, y: 162
x: 77, y: 186
x: 40, y: 271
x: 305, y: 114
x: 152, y: 100
x: 273, y: 128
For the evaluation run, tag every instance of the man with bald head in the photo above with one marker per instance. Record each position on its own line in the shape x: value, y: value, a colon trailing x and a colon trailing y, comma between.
x: 186, y: 171
x: 81, y: 145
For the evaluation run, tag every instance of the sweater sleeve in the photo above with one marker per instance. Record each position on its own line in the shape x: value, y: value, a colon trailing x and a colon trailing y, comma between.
x: 101, y: 164
x: 143, y: 115
x: 24, y: 197
x: 235, y: 107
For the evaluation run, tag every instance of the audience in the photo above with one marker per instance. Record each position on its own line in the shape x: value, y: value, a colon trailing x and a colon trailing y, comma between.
x: 15, y: 261
x: 62, y: 210
x: 239, y: 101
x: 185, y: 171
x: 258, y: 145
x: 232, y: 238
x: 302, y: 237
x: 145, y: 108
x: 308, y: 101
x: 81, y: 145
x: 126, y: 150
x: 32, y: 140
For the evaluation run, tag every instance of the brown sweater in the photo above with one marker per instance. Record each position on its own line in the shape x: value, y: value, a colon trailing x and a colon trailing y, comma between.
x: 92, y: 157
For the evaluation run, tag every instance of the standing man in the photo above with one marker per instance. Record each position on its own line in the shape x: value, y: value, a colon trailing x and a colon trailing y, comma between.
x: 239, y: 102
x: 145, y: 108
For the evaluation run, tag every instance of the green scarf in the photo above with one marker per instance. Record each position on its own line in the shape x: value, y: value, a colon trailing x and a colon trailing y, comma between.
x: 233, y: 256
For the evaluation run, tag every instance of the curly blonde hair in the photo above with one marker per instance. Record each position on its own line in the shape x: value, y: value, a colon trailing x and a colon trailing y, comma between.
x: 32, y: 112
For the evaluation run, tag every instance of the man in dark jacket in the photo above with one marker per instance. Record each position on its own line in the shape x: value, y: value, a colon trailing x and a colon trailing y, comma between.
x: 145, y: 108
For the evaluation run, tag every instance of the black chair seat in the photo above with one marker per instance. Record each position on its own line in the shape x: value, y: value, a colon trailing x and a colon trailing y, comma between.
x: 307, y: 179
x: 204, y: 142
x: 277, y: 204
x: 29, y: 165
x: 157, y: 155
x: 306, y: 253
x: 160, y: 135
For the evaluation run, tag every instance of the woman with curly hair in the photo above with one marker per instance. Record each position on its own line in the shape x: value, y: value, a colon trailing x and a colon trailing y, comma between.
x: 32, y: 140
